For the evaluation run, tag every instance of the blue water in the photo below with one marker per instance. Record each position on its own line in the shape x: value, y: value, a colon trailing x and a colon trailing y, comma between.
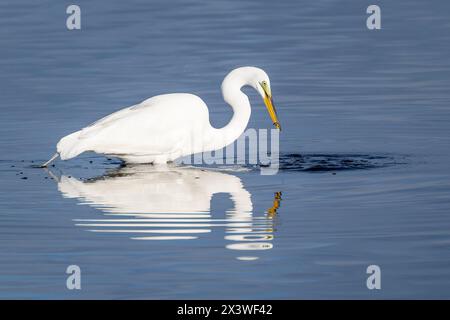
x: 364, y: 178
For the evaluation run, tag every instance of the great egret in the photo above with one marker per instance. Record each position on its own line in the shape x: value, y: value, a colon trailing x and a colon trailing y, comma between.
x: 166, y: 127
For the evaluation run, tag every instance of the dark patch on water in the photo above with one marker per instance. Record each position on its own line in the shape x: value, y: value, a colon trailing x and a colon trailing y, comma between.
x: 95, y: 167
x: 335, y: 162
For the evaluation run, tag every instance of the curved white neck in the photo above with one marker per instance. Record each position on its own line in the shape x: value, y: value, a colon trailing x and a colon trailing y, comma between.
x: 239, y: 102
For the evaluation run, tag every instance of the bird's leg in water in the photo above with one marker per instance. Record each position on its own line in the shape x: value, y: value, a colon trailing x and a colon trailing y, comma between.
x: 44, y: 165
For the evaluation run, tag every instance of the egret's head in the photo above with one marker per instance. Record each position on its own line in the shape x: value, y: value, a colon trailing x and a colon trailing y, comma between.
x: 256, y: 78
x: 263, y: 87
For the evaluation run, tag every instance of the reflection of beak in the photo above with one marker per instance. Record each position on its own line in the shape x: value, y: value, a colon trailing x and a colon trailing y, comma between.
x: 272, y: 211
x: 272, y: 111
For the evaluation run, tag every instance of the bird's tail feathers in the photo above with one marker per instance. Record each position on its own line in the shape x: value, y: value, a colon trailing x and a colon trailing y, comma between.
x: 70, y: 146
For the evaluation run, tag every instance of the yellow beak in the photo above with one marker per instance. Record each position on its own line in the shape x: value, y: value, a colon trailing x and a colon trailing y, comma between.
x: 272, y: 111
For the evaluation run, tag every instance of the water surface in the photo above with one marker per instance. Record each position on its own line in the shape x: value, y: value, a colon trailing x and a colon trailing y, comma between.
x: 364, y: 176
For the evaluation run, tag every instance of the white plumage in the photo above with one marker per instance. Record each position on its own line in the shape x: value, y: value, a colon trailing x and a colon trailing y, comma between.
x: 166, y: 127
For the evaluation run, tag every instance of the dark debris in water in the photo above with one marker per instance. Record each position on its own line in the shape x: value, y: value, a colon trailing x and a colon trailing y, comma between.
x: 292, y: 162
x: 334, y: 162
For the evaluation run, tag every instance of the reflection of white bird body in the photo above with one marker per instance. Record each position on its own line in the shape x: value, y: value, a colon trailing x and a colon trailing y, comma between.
x: 158, y: 190
x: 170, y: 203
x: 166, y: 127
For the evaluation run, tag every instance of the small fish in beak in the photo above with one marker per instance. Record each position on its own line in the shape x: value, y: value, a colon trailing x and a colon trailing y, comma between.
x: 269, y: 104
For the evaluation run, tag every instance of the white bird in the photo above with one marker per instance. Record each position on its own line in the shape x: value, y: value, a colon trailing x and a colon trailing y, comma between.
x: 169, y: 126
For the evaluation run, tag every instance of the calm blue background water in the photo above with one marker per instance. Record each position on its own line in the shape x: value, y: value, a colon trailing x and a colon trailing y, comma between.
x: 340, y: 89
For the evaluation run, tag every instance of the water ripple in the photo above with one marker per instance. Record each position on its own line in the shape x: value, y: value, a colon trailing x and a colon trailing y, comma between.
x: 335, y: 162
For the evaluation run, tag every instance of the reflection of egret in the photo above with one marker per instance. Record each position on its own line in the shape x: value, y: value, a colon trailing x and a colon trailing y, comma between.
x: 169, y: 203
x: 272, y: 211
x: 166, y: 127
